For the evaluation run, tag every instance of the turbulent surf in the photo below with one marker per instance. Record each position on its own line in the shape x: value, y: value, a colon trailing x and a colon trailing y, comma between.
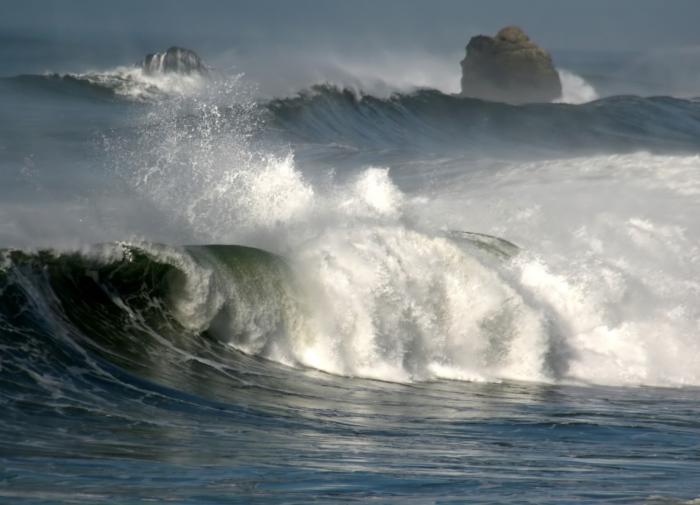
x: 335, y: 295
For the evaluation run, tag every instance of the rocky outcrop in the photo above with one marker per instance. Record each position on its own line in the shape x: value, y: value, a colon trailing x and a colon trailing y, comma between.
x: 509, y: 68
x: 174, y: 60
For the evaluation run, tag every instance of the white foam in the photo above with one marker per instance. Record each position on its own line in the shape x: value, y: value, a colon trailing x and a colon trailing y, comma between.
x: 605, y: 289
x: 611, y: 253
x: 135, y: 84
x: 395, y: 304
x: 575, y: 89
x: 382, y: 300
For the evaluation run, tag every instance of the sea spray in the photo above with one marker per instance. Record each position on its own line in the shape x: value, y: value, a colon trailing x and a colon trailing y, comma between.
x: 575, y: 89
x: 415, y: 306
x: 609, y: 249
x: 389, y: 294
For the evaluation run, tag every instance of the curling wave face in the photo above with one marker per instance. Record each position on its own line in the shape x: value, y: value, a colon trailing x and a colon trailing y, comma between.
x: 149, y: 308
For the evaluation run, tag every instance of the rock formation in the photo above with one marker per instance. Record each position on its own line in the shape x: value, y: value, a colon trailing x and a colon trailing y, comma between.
x: 509, y: 68
x: 175, y: 60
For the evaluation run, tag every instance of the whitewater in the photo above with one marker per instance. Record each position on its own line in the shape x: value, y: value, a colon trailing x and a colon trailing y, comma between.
x: 345, y: 294
x: 398, y: 294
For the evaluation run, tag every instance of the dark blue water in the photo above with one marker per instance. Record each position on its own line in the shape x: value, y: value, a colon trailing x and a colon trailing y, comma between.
x: 414, y: 297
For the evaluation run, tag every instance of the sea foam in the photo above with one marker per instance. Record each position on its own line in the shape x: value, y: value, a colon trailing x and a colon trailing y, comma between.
x: 602, y: 290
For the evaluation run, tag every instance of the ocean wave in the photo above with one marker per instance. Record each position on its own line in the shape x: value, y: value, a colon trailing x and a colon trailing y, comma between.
x: 374, y: 283
x: 127, y: 83
x: 423, y: 120
x: 149, y: 308
x: 368, y: 287
x: 379, y: 301
x: 135, y: 84
x: 427, y: 119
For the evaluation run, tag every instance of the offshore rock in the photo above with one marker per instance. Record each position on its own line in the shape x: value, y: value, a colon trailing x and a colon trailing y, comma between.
x: 509, y: 68
x: 174, y: 60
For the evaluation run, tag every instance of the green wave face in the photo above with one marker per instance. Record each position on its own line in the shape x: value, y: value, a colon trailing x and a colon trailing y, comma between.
x: 155, y: 311
x: 257, y: 297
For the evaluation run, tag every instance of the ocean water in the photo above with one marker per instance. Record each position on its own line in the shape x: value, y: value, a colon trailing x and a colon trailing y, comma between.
x: 361, y: 293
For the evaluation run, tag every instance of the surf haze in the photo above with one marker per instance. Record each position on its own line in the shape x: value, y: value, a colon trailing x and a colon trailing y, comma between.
x: 293, y: 252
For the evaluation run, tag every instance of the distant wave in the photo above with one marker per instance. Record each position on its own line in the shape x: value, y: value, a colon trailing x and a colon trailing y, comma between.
x: 419, y: 120
x: 426, y: 118
x: 129, y: 83
x: 134, y: 83
x: 63, y: 85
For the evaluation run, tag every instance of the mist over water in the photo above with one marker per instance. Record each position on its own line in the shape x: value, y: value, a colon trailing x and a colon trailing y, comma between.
x: 321, y: 275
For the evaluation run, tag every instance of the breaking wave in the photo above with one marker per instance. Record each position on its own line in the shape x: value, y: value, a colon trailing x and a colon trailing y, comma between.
x: 363, y: 274
x: 128, y: 83
x: 428, y: 119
